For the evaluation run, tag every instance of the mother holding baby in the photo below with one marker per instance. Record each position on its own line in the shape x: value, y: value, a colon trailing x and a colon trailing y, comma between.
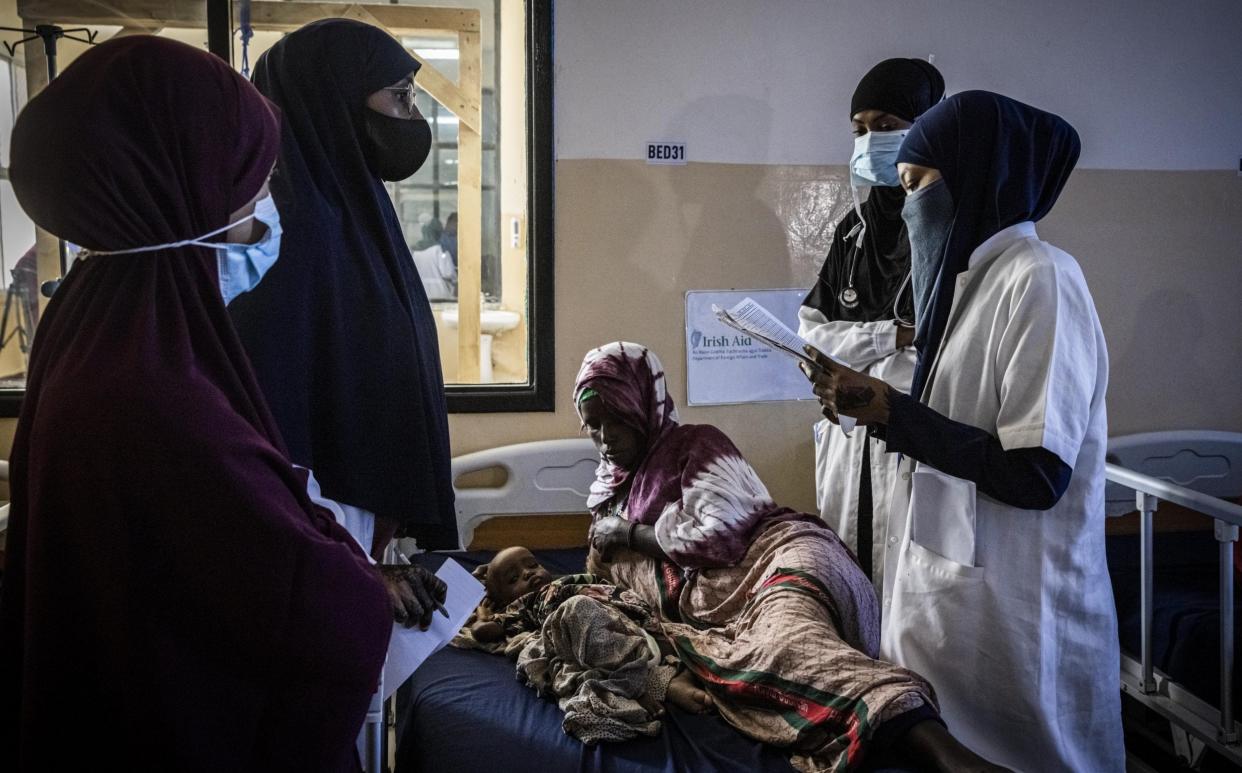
x: 764, y: 605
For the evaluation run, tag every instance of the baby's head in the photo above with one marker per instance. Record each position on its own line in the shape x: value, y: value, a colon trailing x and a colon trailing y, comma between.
x: 513, y: 573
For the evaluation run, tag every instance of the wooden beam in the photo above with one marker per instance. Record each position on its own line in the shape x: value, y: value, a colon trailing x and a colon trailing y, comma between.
x: 469, y: 215
x: 264, y: 14
x: 464, y: 105
x: 144, y: 15
x: 269, y: 15
x: 127, y: 13
x: 125, y: 32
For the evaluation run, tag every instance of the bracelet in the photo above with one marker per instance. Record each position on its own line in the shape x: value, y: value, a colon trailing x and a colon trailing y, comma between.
x: 629, y: 535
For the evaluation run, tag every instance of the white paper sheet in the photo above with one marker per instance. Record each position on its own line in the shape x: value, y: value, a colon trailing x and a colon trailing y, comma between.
x: 751, y: 318
x: 409, y: 647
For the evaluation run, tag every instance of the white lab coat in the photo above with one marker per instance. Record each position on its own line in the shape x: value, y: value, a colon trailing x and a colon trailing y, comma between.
x: 1009, y: 613
x: 358, y: 522
x: 436, y: 270
x: 869, y: 347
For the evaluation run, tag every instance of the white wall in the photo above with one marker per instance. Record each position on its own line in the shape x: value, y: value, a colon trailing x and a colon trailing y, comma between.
x: 1149, y: 84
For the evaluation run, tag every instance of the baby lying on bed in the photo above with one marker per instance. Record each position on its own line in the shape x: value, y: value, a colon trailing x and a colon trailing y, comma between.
x: 592, y: 646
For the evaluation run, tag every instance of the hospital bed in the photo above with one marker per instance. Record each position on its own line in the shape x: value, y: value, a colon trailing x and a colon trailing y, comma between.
x: 465, y: 710
x: 1177, y: 630
x: 549, y: 480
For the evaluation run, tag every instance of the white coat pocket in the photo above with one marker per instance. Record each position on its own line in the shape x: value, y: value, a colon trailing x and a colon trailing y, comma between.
x: 942, y: 514
x: 938, y: 626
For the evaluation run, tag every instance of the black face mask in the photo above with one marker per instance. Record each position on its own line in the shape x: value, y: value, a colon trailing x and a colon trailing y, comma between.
x: 395, y: 148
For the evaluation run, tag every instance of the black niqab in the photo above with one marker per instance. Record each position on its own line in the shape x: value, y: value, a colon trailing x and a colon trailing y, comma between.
x: 340, y: 331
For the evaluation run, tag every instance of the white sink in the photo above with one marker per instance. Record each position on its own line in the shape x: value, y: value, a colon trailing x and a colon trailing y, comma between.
x: 491, y: 321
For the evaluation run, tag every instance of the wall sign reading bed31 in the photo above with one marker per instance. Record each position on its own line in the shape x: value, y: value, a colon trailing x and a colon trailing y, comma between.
x: 665, y: 152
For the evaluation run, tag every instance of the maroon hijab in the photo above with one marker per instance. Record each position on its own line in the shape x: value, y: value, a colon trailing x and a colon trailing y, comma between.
x: 168, y: 579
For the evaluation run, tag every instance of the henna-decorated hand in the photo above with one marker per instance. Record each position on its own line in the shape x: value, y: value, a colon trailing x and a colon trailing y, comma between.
x: 414, y: 593
x: 842, y: 390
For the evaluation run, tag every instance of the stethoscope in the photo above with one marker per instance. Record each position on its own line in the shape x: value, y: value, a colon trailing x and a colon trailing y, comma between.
x: 848, y: 297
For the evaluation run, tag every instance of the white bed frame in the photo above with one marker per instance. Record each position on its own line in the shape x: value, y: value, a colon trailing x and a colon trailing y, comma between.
x: 1192, y: 469
x: 544, y: 477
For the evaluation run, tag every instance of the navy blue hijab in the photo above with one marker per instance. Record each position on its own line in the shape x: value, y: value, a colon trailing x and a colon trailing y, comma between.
x: 1004, y: 163
x: 340, y: 331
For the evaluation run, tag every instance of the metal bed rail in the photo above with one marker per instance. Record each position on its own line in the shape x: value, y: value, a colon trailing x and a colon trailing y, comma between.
x: 1214, y: 728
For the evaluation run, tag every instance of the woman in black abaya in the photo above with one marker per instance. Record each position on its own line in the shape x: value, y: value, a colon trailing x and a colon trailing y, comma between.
x: 340, y: 333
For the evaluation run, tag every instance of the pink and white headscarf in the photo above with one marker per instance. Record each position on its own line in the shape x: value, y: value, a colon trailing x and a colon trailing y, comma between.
x: 629, y: 378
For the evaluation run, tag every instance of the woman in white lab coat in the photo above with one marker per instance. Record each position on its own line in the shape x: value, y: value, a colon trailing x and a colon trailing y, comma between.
x: 996, y: 586
x: 860, y: 309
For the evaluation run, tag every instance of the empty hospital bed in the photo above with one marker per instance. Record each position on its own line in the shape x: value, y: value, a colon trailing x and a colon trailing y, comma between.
x: 1174, y: 581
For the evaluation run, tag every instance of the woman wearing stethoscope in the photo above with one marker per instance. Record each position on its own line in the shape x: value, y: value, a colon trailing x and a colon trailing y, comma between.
x: 861, y: 309
x: 996, y: 587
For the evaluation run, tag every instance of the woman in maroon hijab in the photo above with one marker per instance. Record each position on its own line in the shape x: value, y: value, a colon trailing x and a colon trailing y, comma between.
x: 171, y: 591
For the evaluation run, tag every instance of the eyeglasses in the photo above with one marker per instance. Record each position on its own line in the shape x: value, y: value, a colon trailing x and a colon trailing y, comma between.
x: 406, y: 94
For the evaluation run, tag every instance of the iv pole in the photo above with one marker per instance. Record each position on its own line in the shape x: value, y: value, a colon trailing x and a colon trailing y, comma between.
x: 49, y: 34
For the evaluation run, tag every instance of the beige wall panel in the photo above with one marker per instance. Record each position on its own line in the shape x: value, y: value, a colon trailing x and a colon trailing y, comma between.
x: 1162, y: 253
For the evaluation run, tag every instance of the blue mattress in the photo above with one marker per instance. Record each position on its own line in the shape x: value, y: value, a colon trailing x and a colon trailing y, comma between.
x: 1185, y: 608
x: 465, y: 711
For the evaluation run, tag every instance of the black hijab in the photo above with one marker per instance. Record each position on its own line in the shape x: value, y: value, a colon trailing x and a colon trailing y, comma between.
x: 340, y: 330
x: 1004, y: 163
x: 905, y: 88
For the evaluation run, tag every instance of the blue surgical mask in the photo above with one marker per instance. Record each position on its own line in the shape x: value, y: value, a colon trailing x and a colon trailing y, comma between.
x: 241, y: 266
x: 875, y: 157
x: 928, y: 213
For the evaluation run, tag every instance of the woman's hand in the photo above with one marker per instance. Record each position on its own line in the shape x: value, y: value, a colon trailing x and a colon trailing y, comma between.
x: 608, y: 534
x: 414, y: 593
x: 842, y: 390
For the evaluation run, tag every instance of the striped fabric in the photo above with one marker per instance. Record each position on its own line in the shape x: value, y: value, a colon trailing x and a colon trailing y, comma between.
x: 786, y: 642
x: 765, y: 605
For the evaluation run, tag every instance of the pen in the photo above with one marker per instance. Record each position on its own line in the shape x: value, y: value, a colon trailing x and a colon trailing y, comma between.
x: 441, y: 609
